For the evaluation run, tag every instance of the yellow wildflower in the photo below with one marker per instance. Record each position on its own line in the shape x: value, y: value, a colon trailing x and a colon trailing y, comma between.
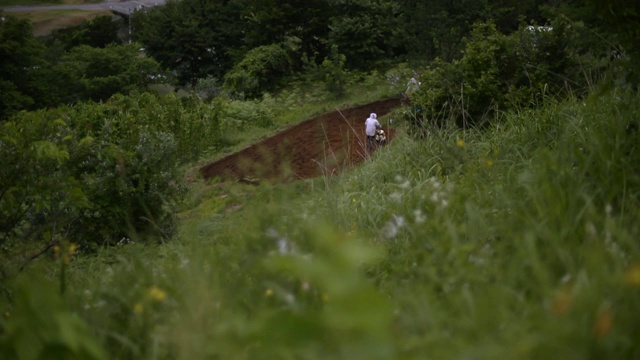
x: 632, y: 275
x: 138, y: 308
x: 488, y: 163
x: 71, y: 250
x: 157, y: 294
x: 460, y: 143
x: 325, y: 298
x: 268, y: 293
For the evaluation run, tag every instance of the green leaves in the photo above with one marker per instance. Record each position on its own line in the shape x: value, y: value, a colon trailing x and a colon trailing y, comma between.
x: 99, y: 73
x: 353, y: 318
x: 40, y: 325
x: 261, y: 70
x: 19, y: 51
x: 365, y: 31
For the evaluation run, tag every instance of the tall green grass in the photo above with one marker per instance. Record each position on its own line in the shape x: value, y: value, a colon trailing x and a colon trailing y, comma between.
x: 519, y: 241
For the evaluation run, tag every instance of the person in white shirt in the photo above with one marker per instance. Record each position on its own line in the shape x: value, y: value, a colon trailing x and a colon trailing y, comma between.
x: 371, y: 125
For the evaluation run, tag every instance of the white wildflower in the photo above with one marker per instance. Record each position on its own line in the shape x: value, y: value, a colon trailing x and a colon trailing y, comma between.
x: 418, y: 216
x: 396, y: 197
x: 390, y: 229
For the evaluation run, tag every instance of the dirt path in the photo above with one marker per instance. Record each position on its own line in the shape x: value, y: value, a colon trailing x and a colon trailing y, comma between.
x: 325, y: 144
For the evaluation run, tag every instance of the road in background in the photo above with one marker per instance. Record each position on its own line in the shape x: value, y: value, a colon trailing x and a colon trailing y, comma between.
x: 123, y: 7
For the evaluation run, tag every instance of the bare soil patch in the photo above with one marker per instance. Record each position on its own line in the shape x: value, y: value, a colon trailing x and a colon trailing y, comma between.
x: 323, y: 145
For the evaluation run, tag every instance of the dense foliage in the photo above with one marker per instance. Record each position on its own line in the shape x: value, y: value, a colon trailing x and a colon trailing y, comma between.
x: 95, y: 174
x: 82, y: 63
x: 516, y: 241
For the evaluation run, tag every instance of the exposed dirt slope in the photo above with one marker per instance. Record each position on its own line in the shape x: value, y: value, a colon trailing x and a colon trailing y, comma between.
x: 325, y: 144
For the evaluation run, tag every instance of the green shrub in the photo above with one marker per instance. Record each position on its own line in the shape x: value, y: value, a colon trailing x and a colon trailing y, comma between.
x: 333, y: 73
x: 261, y: 70
x: 100, y: 173
x: 500, y: 71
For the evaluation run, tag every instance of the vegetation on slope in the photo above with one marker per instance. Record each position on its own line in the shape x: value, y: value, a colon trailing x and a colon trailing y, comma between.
x: 517, y: 241
x: 510, y: 236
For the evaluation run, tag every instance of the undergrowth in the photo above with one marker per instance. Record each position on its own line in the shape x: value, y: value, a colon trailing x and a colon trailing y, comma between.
x: 518, y: 241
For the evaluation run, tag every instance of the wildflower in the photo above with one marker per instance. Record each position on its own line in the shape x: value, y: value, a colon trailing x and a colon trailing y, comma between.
x: 157, y: 294
x: 305, y: 286
x: 71, y: 250
x: 325, y: 298
x: 283, y: 244
x: 138, y: 308
x: 396, y: 197
x: 268, y: 293
x: 418, y: 216
x: 460, y: 143
x: 562, y: 302
x: 488, y: 163
x: 608, y: 210
x: 391, y: 227
x: 632, y: 275
x: 290, y: 299
x: 353, y: 200
x: 434, y: 182
x: 603, y: 323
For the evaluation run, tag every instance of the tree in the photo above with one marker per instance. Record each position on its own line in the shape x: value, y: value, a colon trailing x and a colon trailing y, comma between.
x: 261, y: 70
x: 100, y: 73
x: 268, y: 22
x: 437, y: 27
x: 98, y: 32
x: 19, y: 51
x: 193, y: 38
x: 366, y: 30
x: 620, y: 19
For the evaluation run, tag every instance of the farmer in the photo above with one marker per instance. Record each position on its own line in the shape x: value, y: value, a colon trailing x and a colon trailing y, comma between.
x: 371, y: 125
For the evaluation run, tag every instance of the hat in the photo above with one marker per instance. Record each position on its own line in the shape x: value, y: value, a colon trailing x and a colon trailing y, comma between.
x: 373, y: 115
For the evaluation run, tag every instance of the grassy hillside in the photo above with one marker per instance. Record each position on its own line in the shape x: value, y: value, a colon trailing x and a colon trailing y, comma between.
x: 515, y: 242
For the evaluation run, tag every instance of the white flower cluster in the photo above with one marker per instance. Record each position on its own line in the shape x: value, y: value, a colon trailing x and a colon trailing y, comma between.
x: 284, y: 245
x: 439, y: 192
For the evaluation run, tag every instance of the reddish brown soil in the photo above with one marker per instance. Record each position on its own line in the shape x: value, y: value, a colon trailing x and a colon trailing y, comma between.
x: 323, y: 145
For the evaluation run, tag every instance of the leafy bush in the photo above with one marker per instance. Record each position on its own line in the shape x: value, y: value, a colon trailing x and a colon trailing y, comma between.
x: 499, y: 71
x: 333, y: 73
x: 38, y: 197
x: 261, y: 70
x: 100, y: 173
